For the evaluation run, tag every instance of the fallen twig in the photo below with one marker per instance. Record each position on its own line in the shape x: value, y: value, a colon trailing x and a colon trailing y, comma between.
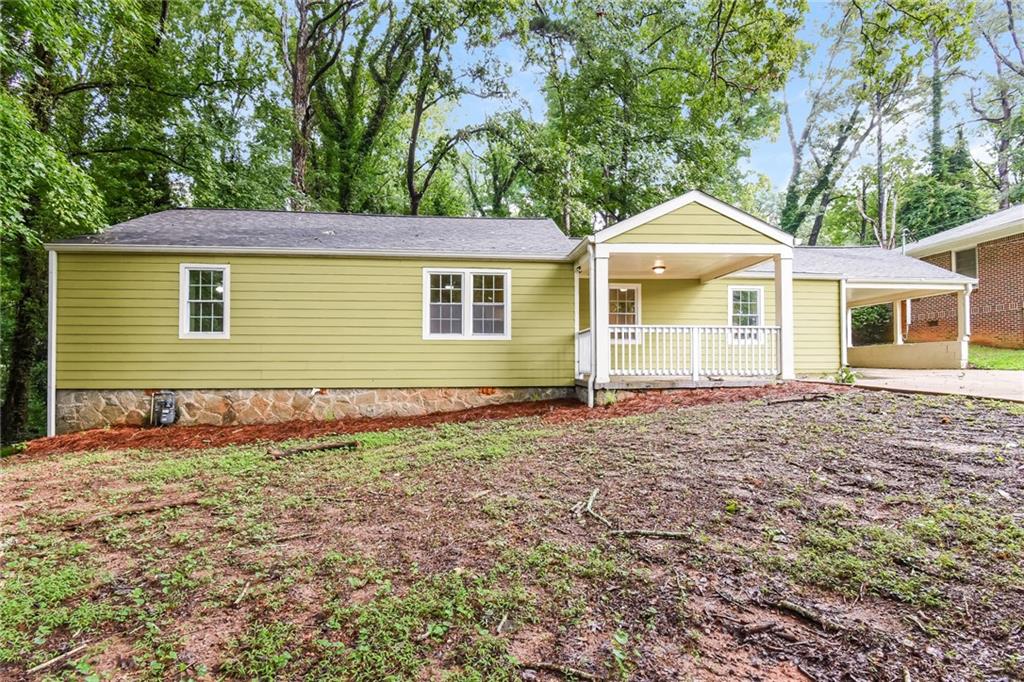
x: 757, y: 628
x: 278, y: 453
x: 590, y: 509
x: 803, y: 398
x: 59, y: 659
x: 242, y: 595
x: 810, y: 615
x: 652, y: 533
x: 563, y: 670
x: 133, y: 509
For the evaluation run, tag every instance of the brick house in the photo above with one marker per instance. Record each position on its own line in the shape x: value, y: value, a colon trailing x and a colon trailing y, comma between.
x: 992, y: 250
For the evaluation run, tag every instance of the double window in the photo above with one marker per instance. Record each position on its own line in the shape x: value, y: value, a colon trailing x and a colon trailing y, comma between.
x: 466, y: 304
x: 204, y: 305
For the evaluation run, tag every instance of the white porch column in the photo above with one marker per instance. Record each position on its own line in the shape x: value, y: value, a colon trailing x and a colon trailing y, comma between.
x: 963, y: 314
x: 897, y: 322
x: 599, y: 322
x: 844, y: 324
x: 963, y: 323
x: 784, y: 314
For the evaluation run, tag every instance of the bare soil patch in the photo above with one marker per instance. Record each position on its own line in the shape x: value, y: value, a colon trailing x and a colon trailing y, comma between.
x: 862, y: 536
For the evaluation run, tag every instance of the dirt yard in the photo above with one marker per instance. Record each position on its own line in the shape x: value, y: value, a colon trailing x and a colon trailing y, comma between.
x: 858, y: 535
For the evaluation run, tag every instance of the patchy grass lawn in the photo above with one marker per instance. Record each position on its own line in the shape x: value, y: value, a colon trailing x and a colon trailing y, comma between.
x: 871, y: 536
x: 986, y: 357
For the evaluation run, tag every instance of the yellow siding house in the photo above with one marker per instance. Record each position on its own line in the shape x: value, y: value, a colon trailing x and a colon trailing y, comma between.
x: 253, y: 316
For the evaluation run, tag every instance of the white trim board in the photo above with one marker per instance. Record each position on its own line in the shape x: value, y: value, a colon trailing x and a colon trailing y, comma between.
x: 467, y: 304
x: 183, y: 310
x: 702, y: 199
x: 51, y: 345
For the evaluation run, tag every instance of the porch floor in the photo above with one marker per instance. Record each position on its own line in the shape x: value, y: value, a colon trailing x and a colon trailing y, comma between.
x: 641, y: 383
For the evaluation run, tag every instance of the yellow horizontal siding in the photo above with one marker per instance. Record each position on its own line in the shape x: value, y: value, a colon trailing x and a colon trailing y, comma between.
x: 300, y: 321
x: 692, y: 224
x: 688, y: 302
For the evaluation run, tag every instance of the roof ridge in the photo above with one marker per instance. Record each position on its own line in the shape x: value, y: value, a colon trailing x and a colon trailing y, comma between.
x: 346, y: 213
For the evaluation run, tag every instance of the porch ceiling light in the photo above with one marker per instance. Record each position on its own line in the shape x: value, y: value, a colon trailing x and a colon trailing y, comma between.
x: 659, y: 267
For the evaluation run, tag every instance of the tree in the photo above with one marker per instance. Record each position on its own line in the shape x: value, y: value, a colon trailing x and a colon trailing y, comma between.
x: 360, y: 101
x: 1000, y: 109
x: 319, y: 31
x: 648, y: 99
x: 494, y: 174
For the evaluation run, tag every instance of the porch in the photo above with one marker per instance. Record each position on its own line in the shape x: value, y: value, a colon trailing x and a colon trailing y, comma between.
x: 666, y: 315
x: 651, y: 356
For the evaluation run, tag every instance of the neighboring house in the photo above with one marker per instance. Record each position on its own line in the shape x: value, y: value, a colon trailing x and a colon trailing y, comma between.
x: 252, y: 316
x: 990, y: 249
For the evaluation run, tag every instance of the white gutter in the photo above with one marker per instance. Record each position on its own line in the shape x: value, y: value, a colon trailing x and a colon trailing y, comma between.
x: 169, y: 249
x: 51, y: 345
x: 593, y: 335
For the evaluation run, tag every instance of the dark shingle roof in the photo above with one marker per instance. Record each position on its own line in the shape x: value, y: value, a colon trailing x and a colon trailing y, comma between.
x: 195, y: 228
x: 862, y: 262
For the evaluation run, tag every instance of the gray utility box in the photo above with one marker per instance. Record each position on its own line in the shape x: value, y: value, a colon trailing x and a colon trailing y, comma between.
x: 164, y: 409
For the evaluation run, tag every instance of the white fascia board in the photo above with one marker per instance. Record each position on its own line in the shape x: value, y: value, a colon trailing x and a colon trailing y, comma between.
x: 705, y: 200
x: 952, y: 285
x: 243, y: 251
x: 996, y: 226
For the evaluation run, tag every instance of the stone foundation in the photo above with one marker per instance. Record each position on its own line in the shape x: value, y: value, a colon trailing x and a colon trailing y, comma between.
x: 80, y: 409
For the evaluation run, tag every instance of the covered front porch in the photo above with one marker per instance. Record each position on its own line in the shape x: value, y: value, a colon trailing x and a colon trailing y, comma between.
x: 742, y: 330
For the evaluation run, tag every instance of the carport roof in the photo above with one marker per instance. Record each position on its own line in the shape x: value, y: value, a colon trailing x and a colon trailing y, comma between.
x: 863, y: 263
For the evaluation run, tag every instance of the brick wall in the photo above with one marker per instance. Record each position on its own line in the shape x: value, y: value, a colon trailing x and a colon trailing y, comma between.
x: 997, y: 305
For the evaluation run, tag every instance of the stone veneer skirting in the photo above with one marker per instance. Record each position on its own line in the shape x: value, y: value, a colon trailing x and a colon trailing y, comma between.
x: 79, y: 409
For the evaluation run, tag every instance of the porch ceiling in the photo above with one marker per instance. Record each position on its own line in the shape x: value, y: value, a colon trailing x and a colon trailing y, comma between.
x: 859, y: 295
x: 704, y: 266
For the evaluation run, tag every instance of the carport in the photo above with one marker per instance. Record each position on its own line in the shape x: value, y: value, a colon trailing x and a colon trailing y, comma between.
x: 899, y: 292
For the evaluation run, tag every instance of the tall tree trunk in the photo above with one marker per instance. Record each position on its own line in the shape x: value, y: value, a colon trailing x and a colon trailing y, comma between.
x: 863, y: 219
x: 29, y: 307
x: 937, y: 162
x: 879, y: 162
x: 300, y: 99
x: 819, y: 219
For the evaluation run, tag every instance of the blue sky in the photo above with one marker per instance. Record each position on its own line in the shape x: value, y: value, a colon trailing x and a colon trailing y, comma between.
x: 769, y: 156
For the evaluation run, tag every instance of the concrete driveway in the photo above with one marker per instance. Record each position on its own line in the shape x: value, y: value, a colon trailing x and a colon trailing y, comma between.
x: 980, y: 383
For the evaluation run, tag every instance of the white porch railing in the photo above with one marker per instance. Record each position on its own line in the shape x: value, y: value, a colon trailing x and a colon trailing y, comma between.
x: 685, y: 351
x: 583, y: 348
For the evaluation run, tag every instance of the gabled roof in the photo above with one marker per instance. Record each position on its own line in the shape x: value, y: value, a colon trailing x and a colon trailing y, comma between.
x: 284, y: 232
x: 995, y: 226
x: 694, y: 197
x: 863, y: 263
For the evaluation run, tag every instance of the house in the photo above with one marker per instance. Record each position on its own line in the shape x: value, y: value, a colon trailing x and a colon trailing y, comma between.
x: 990, y: 249
x: 253, y: 316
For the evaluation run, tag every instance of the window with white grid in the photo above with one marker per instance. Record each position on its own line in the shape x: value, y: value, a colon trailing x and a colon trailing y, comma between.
x: 466, y: 304
x: 745, y: 310
x: 488, y: 305
x: 204, y: 301
x: 446, y: 303
x: 623, y: 304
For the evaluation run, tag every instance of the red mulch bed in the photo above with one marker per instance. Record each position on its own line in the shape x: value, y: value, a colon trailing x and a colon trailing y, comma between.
x: 556, y: 411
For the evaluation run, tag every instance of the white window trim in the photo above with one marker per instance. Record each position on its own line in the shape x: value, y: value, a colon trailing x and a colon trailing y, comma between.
x: 755, y: 338
x: 628, y: 339
x: 952, y: 257
x: 183, y: 328
x: 467, y: 304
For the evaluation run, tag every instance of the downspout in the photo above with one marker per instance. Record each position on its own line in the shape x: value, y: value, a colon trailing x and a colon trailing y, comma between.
x: 593, y: 335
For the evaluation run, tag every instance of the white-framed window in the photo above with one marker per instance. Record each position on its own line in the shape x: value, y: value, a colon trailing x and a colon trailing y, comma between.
x: 204, y: 306
x: 467, y: 304
x: 623, y: 309
x: 746, y: 309
x: 965, y: 262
